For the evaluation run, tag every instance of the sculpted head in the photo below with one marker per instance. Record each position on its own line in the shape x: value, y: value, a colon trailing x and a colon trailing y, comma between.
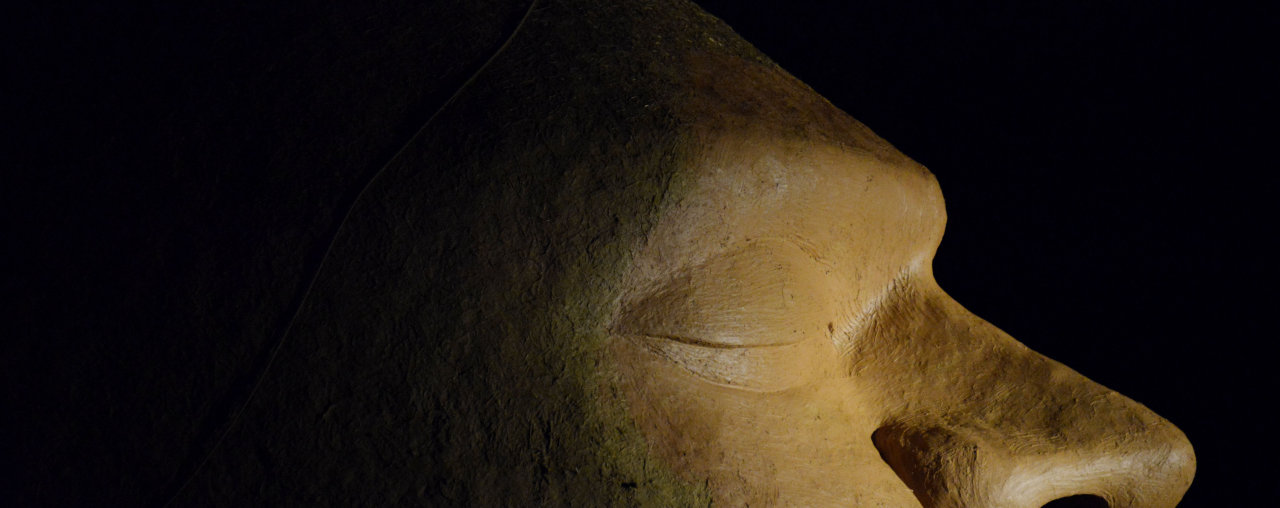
x: 635, y: 261
x: 716, y: 279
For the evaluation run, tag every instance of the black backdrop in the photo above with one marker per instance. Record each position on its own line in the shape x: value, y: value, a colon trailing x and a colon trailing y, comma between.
x: 1110, y: 196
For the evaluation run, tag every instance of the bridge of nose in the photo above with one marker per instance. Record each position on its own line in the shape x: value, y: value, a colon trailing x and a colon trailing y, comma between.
x: 974, y: 418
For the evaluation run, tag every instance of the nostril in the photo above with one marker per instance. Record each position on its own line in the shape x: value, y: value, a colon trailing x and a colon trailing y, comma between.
x: 947, y: 464
x: 935, y: 462
x: 899, y: 449
x: 1081, y: 501
x: 950, y: 466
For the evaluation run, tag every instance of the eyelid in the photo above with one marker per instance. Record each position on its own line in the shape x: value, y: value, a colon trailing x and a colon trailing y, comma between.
x: 765, y: 293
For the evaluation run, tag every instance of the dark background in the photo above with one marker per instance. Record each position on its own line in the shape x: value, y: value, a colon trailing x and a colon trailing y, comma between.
x: 1105, y: 165
x: 1110, y: 186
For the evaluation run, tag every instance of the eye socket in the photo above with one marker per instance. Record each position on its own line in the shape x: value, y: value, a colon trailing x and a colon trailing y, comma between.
x: 758, y: 317
x: 768, y: 292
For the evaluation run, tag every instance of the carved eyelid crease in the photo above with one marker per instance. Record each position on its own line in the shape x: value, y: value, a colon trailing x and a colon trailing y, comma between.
x: 753, y: 368
x: 708, y: 344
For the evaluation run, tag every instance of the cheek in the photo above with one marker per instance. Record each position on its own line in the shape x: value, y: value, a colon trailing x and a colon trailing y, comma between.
x: 807, y: 445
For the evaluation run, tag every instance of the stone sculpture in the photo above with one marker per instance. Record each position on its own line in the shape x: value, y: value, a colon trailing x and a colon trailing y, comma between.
x: 629, y: 260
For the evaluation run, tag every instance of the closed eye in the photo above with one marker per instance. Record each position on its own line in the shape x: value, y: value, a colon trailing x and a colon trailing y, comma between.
x: 712, y: 344
x: 763, y: 368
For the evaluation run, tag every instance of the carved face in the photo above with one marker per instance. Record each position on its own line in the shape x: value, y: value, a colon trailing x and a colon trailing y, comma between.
x: 515, y: 253
x: 783, y: 338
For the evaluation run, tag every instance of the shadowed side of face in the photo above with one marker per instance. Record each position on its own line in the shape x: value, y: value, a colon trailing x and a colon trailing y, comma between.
x: 450, y: 351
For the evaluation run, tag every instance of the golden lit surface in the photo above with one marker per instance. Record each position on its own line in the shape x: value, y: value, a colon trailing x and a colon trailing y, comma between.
x: 786, y: 341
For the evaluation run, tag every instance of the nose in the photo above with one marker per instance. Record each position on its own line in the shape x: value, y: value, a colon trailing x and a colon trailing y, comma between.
x: 973, y: 418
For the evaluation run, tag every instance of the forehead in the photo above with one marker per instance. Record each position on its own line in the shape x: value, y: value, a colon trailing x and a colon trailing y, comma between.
x: 845, y: 208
